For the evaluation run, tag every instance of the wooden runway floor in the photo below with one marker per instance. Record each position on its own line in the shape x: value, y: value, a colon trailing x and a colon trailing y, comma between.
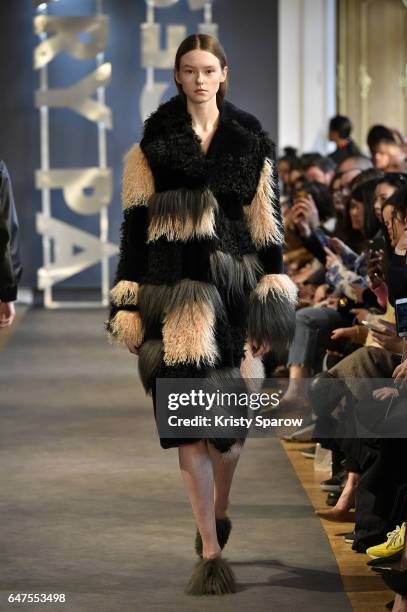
x: 366, y: 591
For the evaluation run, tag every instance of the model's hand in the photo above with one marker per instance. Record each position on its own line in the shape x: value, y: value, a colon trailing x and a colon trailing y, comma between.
x: 133, y: 348
x: 7, y: 314
x: 258, y: 351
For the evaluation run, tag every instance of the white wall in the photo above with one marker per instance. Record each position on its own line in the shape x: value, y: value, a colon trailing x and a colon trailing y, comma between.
x: 307, y: 59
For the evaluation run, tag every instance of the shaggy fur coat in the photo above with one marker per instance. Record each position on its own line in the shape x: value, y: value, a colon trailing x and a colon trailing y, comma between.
x: 200, y: 264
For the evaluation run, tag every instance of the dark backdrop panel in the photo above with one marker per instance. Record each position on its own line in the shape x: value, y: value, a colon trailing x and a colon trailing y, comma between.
x: 248, y: 31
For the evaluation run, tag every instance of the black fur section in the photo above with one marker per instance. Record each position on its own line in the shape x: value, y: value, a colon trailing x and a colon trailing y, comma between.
x: 152, y: 302
x: 133, y: 258
x: 188, y: 292
x: 232, y: 166
x: 181, y: 203
x: 233, y: 235
x: 272, y: 259
x: 149, y: 361
x: 272, y: 320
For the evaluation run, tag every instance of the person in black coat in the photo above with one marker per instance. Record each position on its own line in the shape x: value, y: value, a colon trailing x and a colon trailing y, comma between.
x: 10, y: 264
x: 200, y: 290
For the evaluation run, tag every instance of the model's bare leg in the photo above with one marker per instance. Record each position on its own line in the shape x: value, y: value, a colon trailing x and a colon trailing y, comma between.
x: 223, y: 470
x: 197, y: 472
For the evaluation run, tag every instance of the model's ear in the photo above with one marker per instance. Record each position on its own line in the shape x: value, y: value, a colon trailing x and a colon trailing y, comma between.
x: 176, y: 77
x: 224, y: 74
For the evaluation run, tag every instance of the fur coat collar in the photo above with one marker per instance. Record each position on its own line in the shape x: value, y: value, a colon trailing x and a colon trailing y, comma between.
x: 232, y: 165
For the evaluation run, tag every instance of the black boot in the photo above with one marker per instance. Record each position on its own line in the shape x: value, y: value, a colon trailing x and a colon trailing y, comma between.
x: 211, y: 577
x: 223, y: 529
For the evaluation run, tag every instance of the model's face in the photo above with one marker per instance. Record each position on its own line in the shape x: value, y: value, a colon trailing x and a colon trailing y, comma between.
x: 382, y: 192
x: 200, y: 75
x: 356, y: 212
x: 394, y: 225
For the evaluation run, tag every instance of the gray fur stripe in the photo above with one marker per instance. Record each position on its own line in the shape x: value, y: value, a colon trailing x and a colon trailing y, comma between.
x: 272, y: 319
x: 155, y: 301
x: 236, y: 275
x: 188, y: 292
x: 181, y: 203
x: 181, y: 214
x: 150, y: 358
x: 152, y: 302
x: 224, y: 376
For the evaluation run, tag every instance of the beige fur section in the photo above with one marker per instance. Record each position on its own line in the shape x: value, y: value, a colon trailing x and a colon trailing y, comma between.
x: 252, y: 370
x: 138, y: 181
x: 261, y: 216
x: 188, y: 335
x: 124, y: 292
x: 176, y: 228
x: 126, y: 326
x: 280, y: 285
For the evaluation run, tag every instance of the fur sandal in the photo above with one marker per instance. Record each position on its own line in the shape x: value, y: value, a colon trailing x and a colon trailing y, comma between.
x: 211, y: 577
x: 223, y: 529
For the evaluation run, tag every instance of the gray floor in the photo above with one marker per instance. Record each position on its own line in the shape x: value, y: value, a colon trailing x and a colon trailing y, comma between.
x: 92, y: 507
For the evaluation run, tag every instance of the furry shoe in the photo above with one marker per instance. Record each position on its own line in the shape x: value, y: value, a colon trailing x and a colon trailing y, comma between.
x: 223, y: 529
x: 211, y: 577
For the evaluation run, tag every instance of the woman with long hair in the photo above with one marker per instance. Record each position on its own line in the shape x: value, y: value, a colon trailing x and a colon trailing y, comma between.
x: 199, y: 290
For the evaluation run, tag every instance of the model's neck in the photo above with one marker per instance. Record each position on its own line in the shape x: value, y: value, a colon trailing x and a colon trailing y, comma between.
x: 204, y: 115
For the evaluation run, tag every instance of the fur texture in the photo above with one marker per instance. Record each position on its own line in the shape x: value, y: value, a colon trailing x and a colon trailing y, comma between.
x: 212, y: 577
x: 182, y: 214
x: 272, y: 312
x: 234, y: 274
x: 155, y: 301
x: 138, y: 181
x: 124, y: 292
x: 199, y: 232
x: 150, y: 357
x: 279, y: 285
x: 126, y: 326
x: 188, y: 336
x: 262, y: 214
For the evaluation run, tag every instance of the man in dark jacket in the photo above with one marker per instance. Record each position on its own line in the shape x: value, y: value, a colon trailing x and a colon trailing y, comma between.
x: 10, y: 265
x: 340, y: 128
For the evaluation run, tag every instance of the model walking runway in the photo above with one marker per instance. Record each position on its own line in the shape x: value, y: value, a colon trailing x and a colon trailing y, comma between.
x: 93, y: 508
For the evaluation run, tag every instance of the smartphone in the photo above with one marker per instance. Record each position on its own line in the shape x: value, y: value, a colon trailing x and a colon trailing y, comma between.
x: 401, y: 316
x: 378, y: 244
x: 372, y: 326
